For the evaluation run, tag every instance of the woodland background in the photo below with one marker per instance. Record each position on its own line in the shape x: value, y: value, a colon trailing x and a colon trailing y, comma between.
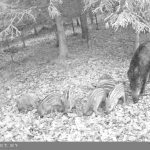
x: 51, y: 45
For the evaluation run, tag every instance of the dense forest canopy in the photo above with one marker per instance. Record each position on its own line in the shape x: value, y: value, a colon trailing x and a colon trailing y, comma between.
x: 123, y: 12
x: 118, y: 12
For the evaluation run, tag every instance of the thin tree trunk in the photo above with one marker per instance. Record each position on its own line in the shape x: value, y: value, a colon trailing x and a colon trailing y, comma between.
x: 63, y: 48
x: 22, y: 39
x: 91, y: 16
x: 84, y: 27
x: 35, y: 31
x: 7, y: 42
x: 73, y: 27
x: 137, y: 40
x: 97, y: 28
x: 78, y: 24
x: 57, y: 38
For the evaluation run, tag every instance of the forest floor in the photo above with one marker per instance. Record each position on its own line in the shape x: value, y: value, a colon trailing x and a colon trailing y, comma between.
x: 40, y: 73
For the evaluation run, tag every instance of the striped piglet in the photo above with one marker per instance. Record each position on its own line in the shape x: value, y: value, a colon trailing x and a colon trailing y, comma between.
x: 114, y: 96
x: 95, y: 98
x: 107, y: 84
x: 51, y: 103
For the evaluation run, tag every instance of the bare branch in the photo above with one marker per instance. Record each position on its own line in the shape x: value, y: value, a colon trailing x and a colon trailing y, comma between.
x: 13, y: 18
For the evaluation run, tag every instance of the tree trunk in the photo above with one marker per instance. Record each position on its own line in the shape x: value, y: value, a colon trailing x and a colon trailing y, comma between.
x: 35, y: 31
x: 56, y: 35
x: 137, y: 40
x: 84, y: 26
x: 63, y: 48
x: 78, y: 24
x: 91, y: 16
x: 97, y: 28
x: 22, y: 39
x: 73, y: 28
x: 7, y: 43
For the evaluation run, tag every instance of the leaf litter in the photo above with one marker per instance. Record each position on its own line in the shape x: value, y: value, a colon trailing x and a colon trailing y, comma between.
x: 39, y: 74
